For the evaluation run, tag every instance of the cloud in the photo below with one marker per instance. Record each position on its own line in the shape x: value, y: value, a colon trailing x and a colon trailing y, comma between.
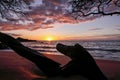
x: 13, y: 34
x: 117, y: 25
x: 94, y: 29
x: 118, y: 29
x: 42, y: 14
x: 96, y: 37
x: 110, y: 36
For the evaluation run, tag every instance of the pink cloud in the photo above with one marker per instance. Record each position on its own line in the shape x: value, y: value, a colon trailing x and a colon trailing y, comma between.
x: 42, y: 16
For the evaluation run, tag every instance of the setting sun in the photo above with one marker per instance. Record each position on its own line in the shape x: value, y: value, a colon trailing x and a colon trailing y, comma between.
x: 49, y: 39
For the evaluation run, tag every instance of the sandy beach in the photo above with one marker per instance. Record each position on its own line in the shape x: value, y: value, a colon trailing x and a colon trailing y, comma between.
x: 15, y: 67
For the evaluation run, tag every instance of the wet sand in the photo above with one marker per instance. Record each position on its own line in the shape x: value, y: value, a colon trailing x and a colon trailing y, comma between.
x: 15, y: 67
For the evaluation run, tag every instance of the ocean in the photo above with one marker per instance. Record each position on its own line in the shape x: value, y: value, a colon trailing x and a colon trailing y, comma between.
x: 107, y: 50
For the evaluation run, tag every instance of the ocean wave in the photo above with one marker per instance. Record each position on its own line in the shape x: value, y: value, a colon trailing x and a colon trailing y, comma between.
x: 51, y: 48
x: 46, y: 51
x: 111, y: 50
x: 46, y: 47
x: 98, y: 49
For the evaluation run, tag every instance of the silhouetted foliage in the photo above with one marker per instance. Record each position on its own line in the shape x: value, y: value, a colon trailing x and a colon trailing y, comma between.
x: 85, y: 8
x: 12, y: 9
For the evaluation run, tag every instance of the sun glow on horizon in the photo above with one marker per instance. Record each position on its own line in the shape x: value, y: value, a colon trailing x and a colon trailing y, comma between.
x: 49, y: 38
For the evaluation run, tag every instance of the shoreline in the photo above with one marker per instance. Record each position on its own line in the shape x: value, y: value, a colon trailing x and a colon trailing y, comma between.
x: 14, y: 67
x: 46, y: 53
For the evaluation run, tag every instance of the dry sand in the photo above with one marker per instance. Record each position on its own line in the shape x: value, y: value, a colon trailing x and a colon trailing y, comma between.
x: 15, y: 67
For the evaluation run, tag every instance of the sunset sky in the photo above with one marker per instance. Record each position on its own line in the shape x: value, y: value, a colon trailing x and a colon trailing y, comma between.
x: 50, y: 22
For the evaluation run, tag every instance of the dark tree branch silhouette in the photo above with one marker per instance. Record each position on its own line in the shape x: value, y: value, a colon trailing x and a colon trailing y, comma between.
x: 11, y: 9
x: 85, y: 8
